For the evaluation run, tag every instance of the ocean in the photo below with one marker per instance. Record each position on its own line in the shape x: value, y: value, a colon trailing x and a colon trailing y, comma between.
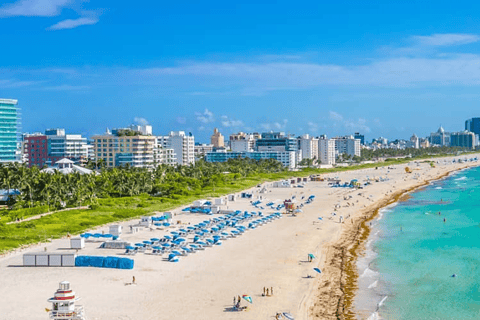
x: 408, y: 268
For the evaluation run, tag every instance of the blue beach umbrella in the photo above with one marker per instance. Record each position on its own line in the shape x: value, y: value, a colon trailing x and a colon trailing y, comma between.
x: 317, y: 270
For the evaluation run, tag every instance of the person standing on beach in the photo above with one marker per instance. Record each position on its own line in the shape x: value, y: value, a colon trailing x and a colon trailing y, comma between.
x: 271, y: 291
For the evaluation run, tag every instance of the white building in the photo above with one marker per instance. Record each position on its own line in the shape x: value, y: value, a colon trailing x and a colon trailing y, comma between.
x: 183, y: 146
x: 145, y: 130
x: 348, y: 145
x: 414, y: 142
x: 61, y: 145
x: 162, y: 155
x: 326, y: 150
x: 243, y: 142
x: 201, y: 149
x: 308, y: 147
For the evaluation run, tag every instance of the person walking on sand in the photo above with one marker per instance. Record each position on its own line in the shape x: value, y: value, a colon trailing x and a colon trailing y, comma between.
x: 133, y: 280
x: 234, y: 300
x: 267, y: 292
x: 271, y: 291
x: 264, y: 291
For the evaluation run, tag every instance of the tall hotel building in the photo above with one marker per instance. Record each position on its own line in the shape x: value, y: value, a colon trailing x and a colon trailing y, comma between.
x: 117, y: 149
x: 9, y: 131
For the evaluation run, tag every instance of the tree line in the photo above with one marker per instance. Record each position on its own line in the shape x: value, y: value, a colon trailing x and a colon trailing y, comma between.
x: 56, y: 190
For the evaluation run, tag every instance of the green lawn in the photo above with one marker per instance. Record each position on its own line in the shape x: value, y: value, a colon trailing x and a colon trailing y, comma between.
x: 110, y: 210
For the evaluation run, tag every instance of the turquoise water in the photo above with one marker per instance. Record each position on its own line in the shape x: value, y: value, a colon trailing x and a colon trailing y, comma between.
x: 408, y: 268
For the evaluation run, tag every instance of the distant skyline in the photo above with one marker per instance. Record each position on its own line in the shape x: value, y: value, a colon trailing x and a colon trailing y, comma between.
x: 383, y: 69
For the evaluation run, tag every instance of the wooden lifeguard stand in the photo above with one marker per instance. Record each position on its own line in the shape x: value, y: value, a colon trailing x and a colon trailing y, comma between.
x: 63, y: 304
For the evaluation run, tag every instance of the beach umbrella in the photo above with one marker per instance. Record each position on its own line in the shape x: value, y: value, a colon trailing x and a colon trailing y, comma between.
x: 317, y: 270
x: 180, y: 240
x: 140, y: 244
x: 171, y: 256
x: 247, y: 298
x: 176, y: 253
x: 130, y: 248
x: 154, y: 239
x: 320, y: 218
x: 311, y: 255
x: 166, y: 224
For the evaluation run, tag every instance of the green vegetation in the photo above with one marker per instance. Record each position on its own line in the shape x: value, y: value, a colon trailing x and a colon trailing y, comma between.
x: 124, y: 193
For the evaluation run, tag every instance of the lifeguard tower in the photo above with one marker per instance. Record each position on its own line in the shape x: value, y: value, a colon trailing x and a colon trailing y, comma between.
x: 63, y: 304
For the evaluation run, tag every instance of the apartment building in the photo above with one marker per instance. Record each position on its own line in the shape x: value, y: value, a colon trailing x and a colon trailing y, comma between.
x: 116, y: 149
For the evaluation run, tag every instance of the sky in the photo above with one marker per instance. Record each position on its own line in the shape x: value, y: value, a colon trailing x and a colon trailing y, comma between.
x: 382, y: 68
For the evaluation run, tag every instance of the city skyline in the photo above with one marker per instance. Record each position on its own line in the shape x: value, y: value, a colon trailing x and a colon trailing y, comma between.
x: 324, y: 68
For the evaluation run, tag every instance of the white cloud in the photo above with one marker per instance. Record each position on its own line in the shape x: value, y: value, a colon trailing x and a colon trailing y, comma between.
x: 205, y: 117
x: 312, y: 127
x: 335, y: 116
x: 141, y: 121
x: 73, y: 23
x: 274, y: 126
x: 358, y: 125
x: 181, y: 120
x: 226, y: 122
x: 446, y: 39
x: 34, y: 8
x: 201, y: 128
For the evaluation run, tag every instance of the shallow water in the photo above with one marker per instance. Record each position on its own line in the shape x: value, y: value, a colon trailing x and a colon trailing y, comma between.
x: 407, y: 269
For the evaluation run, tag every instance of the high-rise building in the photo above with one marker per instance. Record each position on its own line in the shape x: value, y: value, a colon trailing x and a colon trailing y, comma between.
x: 440, y: 138
x: 473, y: 125
x: 9, y: 131
x: 347, y: 145
x: 276, y: 141
x: 361, y: 137
x: 61, y: 145
x: 326, y: 150
x: 414, y: 142
x: 183, y: 146
x: 36, y: 149
x: 121, y: 149
x: 465, y: 139
x: 200, y: 149
x: 163, y: 155
x: 243, y: 142
x: 287, y: 158
x: 217, y: 139
x: 308, y: 147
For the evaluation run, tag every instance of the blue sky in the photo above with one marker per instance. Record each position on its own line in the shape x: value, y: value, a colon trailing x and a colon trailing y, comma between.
x: 384, y: 68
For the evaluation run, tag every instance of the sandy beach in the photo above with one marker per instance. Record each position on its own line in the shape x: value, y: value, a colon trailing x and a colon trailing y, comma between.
x: 203, y: 284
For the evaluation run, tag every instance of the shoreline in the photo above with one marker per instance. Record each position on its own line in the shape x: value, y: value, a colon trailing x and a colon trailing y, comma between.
x: 335, y: 296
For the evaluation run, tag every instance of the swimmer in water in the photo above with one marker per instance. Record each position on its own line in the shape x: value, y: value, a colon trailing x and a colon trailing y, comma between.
x: 444, y: 219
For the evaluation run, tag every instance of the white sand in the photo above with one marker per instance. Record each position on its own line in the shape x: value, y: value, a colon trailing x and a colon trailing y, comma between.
x: 202, y: 285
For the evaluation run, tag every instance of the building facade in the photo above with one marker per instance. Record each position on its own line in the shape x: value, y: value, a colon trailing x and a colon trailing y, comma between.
x: 243, y: 142
x: 473, y: 125
x: 287, y: 158
x: 217, y: 139
x: 9, y: 131
x: 276, y: 141
x: 183, y: 146
x: 465, y: 139
x: 361, y: 137
x: 326, y: 151
x: 35, y: 149
x: 440, y: 138
x: 69, y: 146
x: 200, y: 149
x: 347, y: 145
x: 115, y: 151
x: 308, y: 147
